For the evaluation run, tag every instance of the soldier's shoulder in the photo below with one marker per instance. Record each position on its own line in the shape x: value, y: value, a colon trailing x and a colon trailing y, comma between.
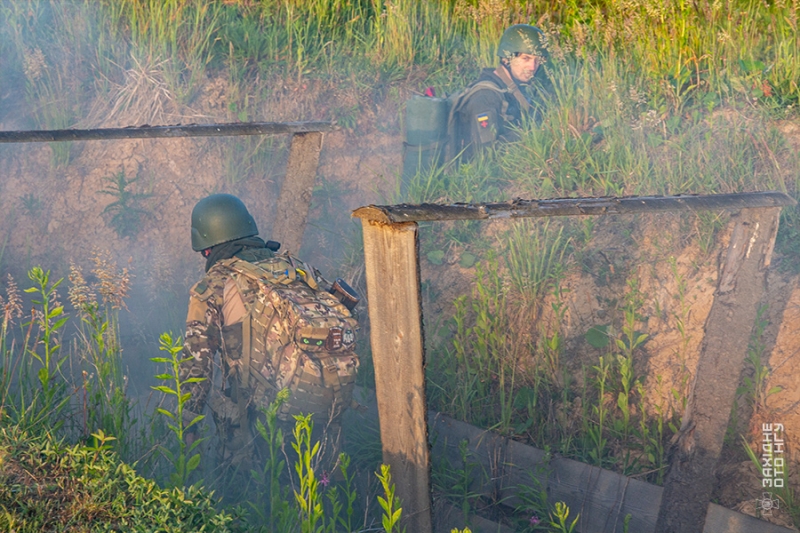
x: 488, y: 86
x: 255, y: 255
x: 212, y: 284
x: 485, y: 95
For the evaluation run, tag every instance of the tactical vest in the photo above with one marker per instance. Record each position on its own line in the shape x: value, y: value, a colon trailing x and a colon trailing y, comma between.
x: 295, y: 336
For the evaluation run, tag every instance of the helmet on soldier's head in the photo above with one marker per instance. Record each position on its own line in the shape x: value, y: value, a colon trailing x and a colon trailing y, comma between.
x: 522, y: 39
x: 220, y: 218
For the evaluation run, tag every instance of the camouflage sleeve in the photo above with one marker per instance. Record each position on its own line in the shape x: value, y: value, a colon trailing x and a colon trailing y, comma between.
x: 200, y: 344
x: 482, y: 112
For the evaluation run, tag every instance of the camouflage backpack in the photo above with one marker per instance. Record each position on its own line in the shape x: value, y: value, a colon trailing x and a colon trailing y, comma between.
x: 295, y: 335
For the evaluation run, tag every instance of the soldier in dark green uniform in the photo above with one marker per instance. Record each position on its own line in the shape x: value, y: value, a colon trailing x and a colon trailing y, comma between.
x: 497, y: 101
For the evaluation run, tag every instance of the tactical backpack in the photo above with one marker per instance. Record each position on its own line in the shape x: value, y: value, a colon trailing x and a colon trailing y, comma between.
x: 435, y: 131
x: 295, y: 336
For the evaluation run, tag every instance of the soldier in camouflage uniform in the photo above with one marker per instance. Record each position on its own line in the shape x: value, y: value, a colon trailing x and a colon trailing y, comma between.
x: 273, y: 327
x: 496, y: 102
x: 221, y: 228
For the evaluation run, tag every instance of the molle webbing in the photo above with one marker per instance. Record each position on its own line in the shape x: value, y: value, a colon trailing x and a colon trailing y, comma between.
x: 284, y: 307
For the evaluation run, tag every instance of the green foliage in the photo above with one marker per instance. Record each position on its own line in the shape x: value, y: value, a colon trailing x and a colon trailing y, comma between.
x: 184, y: 461
x: 307, y: 497
x: 46, y: 485
x: 535, y: 256
x: 456, y: 482
x: 105, y: 404
x: 755, y: 388
x: 595, y: 427
x: 178, y: 34
x: 533, y: 504
x: 629, y: 341
x: 126, y: 211
x: 651, y: 437
x: 31, y: 391
x: 559, y: 519
x: 388, y: 502
x: 474, y: 378
x: 272, y: 503
x: 49, y: 322
x: 597, y: 336
x: 31, y: 204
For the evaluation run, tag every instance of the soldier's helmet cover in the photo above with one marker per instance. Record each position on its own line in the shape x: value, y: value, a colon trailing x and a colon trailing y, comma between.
x: 220, y: 218
x: 522, y: 39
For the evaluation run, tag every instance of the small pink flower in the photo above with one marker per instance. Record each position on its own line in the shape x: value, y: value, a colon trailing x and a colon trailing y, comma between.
x: 534, y: 520
x: 324, y: 480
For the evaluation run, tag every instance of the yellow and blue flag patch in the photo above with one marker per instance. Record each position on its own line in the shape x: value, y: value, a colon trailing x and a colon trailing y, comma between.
x: 483, y: 120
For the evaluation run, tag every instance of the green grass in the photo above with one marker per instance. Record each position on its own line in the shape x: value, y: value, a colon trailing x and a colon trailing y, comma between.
x: 674, y: 55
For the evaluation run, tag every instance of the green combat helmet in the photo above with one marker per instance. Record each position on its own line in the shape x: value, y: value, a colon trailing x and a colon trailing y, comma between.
x: 522, y: 39
x: 220, y: 218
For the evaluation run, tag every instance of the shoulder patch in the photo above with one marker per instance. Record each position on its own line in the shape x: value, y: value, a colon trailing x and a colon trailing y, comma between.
x: 201, y: 287
x: 202, y: 290
x: 483, y: 120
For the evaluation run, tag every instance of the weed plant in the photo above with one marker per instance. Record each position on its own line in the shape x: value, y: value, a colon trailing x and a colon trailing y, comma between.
x: 536, y: 255
x: 104, y: 404
x: 755, y: 388
x: 559, y: 519
x: 186, y: 459
x: 49, y: 485
x: 476, y: 377
x: 33, y: 394
x: 457, y: 482
x: 127, y: 212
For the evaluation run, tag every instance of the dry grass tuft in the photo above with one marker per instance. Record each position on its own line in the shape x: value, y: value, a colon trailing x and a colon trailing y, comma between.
x: 80, y: 293
x: 142, y: 98
x: 114, y: 285
x: 12, y: 305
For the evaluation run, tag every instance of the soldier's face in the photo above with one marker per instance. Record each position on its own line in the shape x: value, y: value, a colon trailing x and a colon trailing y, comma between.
x: 524, y: 66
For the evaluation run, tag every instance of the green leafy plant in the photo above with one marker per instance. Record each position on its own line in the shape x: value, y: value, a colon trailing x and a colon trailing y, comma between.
x: 595, y: 427
x: 307, y: 496
x: 90, y: 489
x: 559, y: 519
x: 651, y: 437
x: 350, y: 495
x: 536, y: 256
x: 100, y: 444
x: 184, y: 461
x: 49, y: 322
x: 532, y: 506
x: 272, y: 503
x: 97, y: 344
x: 630, y: 340
x: 38, y: 401
x: 31, y: 204
x: 456, y: 482
x: 127, y: 213
x: 388, y: 502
